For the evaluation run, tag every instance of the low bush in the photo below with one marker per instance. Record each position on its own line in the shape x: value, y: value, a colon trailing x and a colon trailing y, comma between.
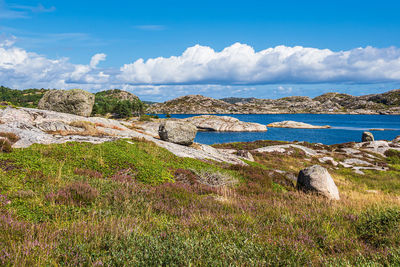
x: 146, y: 117
x: 77, y: 193
x: 393, y: 156
x: 379, y: 226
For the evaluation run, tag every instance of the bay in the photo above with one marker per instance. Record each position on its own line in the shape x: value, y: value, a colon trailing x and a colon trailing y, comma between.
x: 345, y: 128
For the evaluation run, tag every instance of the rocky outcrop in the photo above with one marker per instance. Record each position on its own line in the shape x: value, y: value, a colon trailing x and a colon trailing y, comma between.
x: 295, y: 124
x: 57, y: 126
x: 329, y: 103
x: 25, y: 123
x: 118, y: 94
x: 367, y: 137
x: 193, y: 104
x: 75, y: 101
x: 317, y: 179
x: 224, y: 124
x: 178, y: 132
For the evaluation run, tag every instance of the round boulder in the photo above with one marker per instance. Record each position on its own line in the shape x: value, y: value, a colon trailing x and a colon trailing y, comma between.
x: 178, y: 132
x: 75, y: 101
x: 317, y: 179
x: 367, y: 137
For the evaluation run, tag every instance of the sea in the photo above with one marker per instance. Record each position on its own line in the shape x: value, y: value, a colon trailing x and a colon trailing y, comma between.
x: 345, y: 128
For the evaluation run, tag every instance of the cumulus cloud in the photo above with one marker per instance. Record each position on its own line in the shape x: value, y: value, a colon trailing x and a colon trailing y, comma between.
x: 22, y: 69
x: 202, y: 68
x: 96, y: 60
x: 241, y: 64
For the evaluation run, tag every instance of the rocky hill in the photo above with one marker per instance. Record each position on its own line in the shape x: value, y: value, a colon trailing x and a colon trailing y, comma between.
x: 118, y: 94
x: 329, y: 103
x: 194, y: 104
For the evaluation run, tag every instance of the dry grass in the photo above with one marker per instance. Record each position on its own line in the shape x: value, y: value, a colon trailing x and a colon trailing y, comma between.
x: 13, y: 138
x: 5, y: 145
x: 89, y: 130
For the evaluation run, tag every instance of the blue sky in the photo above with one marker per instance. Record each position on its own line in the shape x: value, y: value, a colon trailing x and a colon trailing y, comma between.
x: 60, y: 39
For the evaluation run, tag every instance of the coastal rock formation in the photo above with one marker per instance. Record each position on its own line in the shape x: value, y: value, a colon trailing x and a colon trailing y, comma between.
x: 224, y: 124
x: 75, y: 101
x: 56, y: 126
x: 24, y: 123
x: 317, y: 179
x: 178, y: 132
x: 329, y: 103
x: 193, y: 104
x: 367, y: 137
x: 295, y: 124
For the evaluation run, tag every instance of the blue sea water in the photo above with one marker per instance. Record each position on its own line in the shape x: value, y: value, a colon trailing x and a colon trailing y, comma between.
x: 345, y: 128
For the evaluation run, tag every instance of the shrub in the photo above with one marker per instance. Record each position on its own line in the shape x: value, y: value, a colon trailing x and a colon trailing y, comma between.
x: 379, y: 226
x: 5, y: 145
x: 145, y: 118
x: 393, y: 156
x: 186, y: 176
x: 124, y: 176
x: 214, y: 178
x: 77, y: 193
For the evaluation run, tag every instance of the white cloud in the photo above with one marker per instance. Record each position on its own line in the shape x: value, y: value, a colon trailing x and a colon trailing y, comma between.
x: 22, y: 69
x: 200, y: 69
x: 96, y: 60
x: 240, y: 64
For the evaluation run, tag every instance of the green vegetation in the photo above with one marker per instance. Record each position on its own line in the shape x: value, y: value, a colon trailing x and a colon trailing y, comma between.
x: 132, y: 203
x: 21, y: 98
x: 110, y: 102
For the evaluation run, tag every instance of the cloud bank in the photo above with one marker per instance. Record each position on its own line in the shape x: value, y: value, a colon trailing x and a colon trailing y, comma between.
x: 238, y: 64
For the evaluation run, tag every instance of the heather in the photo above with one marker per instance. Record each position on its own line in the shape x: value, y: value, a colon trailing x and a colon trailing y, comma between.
x: 130, y: 202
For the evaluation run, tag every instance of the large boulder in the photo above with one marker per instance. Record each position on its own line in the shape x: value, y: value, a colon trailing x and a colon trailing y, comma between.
x: 317, y: 179
x: 367, y: 137
x: 178, y: 132
x: 76, y: 101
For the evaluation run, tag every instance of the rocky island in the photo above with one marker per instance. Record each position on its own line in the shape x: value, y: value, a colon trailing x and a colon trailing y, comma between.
x: 329, y: 103
x: 296, y: 124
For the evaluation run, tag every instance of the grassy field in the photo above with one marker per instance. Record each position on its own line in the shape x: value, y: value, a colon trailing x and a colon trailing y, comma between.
x: 130, y: 202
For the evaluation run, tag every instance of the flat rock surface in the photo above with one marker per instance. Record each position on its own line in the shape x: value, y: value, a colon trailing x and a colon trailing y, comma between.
x: 224, y: 124
x: 296, y: 124
x: 283, y: 148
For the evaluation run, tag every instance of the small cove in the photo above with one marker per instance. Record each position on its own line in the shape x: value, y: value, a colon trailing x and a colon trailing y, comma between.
x: 345, y: 128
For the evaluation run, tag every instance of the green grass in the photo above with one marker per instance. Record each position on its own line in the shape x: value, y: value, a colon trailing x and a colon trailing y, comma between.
x: 116, y: 204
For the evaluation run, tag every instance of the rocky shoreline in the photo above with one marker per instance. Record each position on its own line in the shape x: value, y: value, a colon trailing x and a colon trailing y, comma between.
x: 330, y: 103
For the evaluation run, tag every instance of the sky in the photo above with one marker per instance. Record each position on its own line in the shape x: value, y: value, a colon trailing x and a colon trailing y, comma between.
x: 159, y: 50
